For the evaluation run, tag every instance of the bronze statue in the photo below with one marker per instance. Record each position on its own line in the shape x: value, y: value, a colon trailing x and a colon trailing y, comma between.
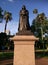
x: 24, y: 19
x: 24, y: 27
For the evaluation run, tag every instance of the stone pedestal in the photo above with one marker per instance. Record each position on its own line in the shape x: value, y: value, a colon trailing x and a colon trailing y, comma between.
x: 24, y: 53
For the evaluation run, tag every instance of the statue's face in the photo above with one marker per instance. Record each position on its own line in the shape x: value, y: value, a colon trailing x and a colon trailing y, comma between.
x: 23, y: 8
x: 23, y: 12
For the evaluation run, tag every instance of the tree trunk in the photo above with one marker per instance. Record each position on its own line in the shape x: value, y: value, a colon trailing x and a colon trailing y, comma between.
x: 5, y: 27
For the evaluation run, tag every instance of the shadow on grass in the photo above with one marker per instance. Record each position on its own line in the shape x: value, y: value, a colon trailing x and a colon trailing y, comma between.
x: 41, y: 54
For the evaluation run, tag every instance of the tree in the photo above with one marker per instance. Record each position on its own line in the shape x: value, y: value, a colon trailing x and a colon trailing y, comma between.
x: 35, y: 11
x: 3, y: 38
x: 40, y: 22
x: 39, y: 27
x: 7, y: 17
x: 1, y: 15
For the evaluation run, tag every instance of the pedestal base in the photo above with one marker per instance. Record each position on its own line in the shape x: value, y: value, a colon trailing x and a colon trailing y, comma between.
x: 25, y: 32
x: 24, y: 53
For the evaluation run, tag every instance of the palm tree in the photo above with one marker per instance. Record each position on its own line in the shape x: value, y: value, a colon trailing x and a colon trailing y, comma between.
x: 40, y: 21
x: 7, y: 17
x: 1, y: 15
x: 35, y: 11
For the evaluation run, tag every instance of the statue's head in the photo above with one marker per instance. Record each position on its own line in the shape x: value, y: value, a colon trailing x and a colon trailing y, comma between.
x: 23, y: 7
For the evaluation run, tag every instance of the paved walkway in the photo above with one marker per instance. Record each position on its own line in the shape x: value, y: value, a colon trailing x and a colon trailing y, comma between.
x: 40, y: 61
x: 6, y: 62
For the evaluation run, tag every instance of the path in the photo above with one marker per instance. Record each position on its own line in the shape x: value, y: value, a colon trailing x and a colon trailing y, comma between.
x: 6, y: 62
x: 40, y: 61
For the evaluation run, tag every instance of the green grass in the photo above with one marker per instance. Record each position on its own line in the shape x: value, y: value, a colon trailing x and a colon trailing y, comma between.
x: 41, y: 54
x: 6, y: 55
x: 9, y: 55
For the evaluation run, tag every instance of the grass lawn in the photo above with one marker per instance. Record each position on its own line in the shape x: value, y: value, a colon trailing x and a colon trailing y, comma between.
x: 41, y: 53
x: 9, y: 55
x: 6, y: 55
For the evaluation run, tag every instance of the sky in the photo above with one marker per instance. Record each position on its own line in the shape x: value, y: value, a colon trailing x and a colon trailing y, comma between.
x: 14, y: 6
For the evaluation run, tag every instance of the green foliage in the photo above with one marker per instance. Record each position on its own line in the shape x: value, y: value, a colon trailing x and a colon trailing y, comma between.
x: 39, y: 27
x: 6, y: 55
x: 5, y: 42
x: 35, y: 11
x: 1, y: 15
x: 40, y: 22
x: 3, y: 38
x: 41, y: 54
x: 7, y: 17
